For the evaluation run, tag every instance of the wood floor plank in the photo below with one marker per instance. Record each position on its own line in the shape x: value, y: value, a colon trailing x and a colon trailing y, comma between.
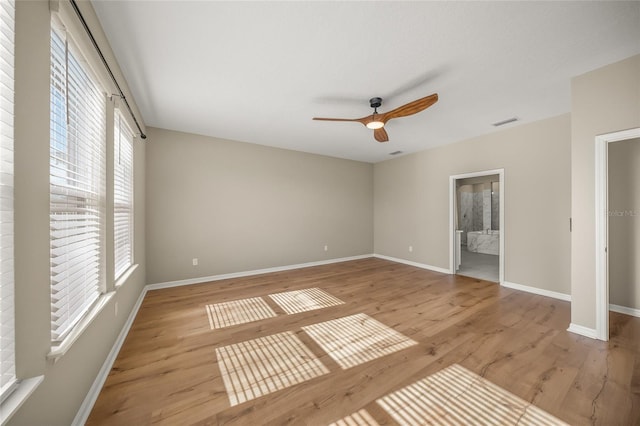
x: 167, y: 371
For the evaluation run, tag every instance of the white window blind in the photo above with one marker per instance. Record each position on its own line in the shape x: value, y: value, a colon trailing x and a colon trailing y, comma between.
x: 77, y: 186
x: 123, y: 195
x: 7, y: 329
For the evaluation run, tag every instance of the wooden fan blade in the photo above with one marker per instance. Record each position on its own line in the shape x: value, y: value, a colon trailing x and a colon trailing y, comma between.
x: 336, y: 119
x: 410, y: 108
x: 363, y: 120
x: 381, y: 135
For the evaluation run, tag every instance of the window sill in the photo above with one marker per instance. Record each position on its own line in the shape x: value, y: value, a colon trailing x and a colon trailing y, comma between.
x: 103, y: 300
x: 15, y: 400
x: 60, y: 350
x: 125, y: 275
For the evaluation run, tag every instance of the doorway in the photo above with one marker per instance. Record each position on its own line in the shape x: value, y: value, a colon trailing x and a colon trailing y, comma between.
x: 476, y: 225
x: 617, y: 229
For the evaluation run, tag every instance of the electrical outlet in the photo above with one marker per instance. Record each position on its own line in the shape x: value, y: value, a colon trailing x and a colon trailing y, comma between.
x: 326, y: 247
x: 410, y: 249
x: 195, y: 261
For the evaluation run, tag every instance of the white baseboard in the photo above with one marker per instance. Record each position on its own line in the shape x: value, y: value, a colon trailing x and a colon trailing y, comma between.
x: 87, y: 405
x: 625, y: 310
x: 583, y: 331
x: 538, y: 291
x: 201, y: 280
x: 416, y: 264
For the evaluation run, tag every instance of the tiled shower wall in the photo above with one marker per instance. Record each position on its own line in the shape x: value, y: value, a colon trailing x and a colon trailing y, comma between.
x: 476, y: 204
x: 495, y: 205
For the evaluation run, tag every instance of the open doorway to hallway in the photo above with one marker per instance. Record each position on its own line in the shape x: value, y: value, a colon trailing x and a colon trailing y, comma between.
x: 476, y: 224
x: 617, y: 227
x: 624, y: 226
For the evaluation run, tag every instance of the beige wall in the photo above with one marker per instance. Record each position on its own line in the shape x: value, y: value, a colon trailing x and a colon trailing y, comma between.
x: 238, y: 207
x: 602, y: 101
x: 66, y: 382
x: 624, y: 223
x: 412, y: 200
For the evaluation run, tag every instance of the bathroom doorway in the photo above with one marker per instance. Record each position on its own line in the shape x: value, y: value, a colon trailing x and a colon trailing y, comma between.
x: 476, y: 225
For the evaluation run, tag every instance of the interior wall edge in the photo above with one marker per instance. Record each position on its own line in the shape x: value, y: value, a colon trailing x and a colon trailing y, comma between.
x: 616, y: 86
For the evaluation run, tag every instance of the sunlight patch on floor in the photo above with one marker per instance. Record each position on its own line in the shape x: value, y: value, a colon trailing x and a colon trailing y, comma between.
x: 261, y: 366
x: 360, y: 418
x: 293, y: 302
x: 457, y: 396
x: 236, y: 312
x: 357, y: 339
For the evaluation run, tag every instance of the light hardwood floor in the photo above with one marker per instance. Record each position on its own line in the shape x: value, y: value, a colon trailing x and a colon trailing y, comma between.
x: 167, y: 371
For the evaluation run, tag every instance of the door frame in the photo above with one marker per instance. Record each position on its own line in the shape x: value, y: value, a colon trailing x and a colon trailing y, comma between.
x: 452, y: 216
x: 602, y: 225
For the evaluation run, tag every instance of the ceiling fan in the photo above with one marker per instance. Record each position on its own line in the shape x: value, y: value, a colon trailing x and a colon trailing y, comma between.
x: 376, y: 121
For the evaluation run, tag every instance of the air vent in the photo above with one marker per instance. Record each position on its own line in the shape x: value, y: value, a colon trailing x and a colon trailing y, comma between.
x: 395, y: 153
x: 507, y: 121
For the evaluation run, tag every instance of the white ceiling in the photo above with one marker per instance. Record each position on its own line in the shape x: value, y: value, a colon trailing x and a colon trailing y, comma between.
x: 259, y: 71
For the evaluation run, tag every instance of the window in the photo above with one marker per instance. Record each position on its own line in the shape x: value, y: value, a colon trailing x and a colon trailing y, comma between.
x: 7, y: 329
x: 77, y: 186
x: 122, y: 195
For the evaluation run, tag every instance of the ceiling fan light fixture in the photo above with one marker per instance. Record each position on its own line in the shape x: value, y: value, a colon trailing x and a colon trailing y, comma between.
x: 375, y: 125
x: 377, y: 121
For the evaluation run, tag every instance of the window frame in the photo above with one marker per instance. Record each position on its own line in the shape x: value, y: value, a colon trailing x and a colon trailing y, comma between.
x: 8, y: 379
x: 89, y: 199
